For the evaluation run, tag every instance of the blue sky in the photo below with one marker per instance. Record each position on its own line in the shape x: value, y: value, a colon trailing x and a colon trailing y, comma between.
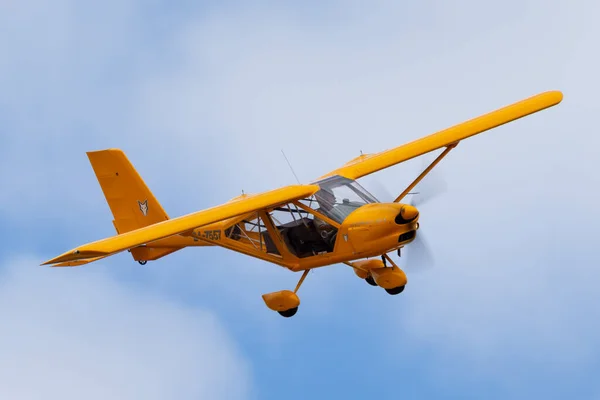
x: 202, y: 97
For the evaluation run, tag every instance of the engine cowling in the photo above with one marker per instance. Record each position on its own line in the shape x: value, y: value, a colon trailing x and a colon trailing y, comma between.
x: 378, y: 228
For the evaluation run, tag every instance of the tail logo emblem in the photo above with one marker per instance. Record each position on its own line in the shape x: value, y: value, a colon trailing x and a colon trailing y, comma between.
x: 143, y: 207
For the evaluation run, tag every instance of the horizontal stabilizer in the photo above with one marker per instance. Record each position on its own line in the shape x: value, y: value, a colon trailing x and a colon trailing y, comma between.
x: 77, y: 263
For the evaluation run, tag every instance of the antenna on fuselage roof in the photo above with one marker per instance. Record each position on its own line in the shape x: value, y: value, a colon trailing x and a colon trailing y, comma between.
x: 290, y: 165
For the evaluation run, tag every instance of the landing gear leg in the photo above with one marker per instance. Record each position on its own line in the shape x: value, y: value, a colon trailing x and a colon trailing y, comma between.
x: 301, y: 280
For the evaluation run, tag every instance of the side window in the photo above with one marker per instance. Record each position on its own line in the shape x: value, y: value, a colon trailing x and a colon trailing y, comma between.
x: 253, y: 233
x: 301, y: 232
x: 288, y: 215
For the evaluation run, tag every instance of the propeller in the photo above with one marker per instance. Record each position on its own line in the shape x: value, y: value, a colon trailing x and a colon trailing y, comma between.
x: 428, y: 189
x: 417, y: 253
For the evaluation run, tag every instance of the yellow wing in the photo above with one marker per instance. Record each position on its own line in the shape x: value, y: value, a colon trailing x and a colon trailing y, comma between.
x: 370, y: 163
x: 246, y: 204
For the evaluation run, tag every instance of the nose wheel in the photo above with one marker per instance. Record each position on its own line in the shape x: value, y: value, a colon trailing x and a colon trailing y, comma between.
x: 396, y: 290
x: 369, y: 279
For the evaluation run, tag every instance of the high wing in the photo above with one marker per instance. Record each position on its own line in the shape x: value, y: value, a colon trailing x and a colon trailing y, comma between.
x: 370, y: 163
x: 246, y: 204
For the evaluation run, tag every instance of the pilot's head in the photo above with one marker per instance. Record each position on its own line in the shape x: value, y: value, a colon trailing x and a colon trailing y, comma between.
x: 325, y: 198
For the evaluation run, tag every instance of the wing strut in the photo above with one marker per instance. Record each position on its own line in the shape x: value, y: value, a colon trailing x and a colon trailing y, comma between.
x: 424, y: 173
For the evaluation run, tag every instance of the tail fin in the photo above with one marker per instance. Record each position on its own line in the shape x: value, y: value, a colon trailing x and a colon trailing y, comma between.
x: 131, y: 202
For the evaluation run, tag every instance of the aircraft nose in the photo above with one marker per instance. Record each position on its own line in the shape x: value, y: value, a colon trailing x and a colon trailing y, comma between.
x: 407, y: 214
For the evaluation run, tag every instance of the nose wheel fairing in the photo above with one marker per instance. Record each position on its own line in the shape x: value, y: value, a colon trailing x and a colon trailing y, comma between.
x: 376, y: 272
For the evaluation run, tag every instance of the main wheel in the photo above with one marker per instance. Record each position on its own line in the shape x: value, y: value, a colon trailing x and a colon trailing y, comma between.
x: 370, y: 280
x: 288, y: 313
x: 143, y: 262
x: 396, y: 290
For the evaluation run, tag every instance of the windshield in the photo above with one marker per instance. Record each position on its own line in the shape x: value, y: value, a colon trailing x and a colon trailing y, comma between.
x: 339, y: 196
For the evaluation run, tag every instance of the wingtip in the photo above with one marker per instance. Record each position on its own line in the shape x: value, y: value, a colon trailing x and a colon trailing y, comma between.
x: 556, y: 95
x: 536, y: 102
x: 74, y: 257
x: 549, y: 98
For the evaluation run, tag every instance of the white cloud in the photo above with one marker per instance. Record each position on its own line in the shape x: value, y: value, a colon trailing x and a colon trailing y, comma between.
x: 74, y: 333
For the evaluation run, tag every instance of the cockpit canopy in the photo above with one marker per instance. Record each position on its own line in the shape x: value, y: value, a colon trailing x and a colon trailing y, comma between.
x: 339, y: 196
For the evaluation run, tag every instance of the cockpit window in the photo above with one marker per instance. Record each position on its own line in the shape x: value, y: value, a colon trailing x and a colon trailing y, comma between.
x: 339, y: 196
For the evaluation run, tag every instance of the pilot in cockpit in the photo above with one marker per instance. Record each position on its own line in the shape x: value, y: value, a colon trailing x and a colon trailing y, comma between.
x: 326, y: 200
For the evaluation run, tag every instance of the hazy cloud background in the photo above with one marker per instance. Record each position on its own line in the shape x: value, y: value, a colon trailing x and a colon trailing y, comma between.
x: 203, y: 97
x: 89, y: 336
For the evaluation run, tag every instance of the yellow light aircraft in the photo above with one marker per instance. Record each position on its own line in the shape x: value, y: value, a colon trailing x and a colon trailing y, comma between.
x: 300, y: 227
